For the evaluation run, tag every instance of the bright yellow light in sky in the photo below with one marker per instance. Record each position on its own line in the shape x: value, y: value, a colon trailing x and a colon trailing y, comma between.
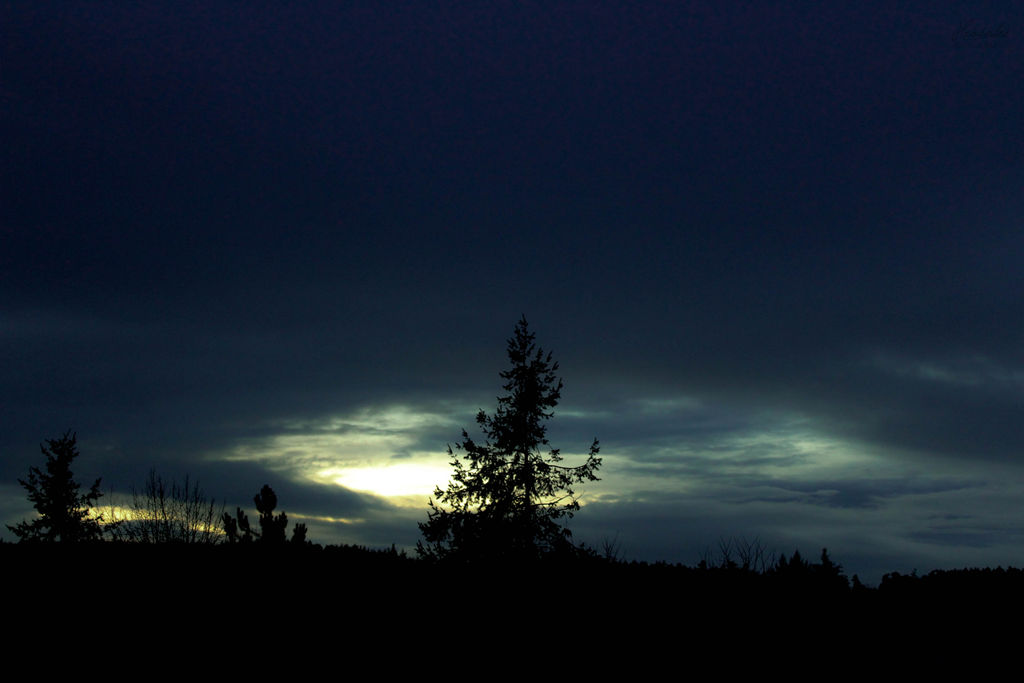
x: 402, y: 479
x: 372, y: 450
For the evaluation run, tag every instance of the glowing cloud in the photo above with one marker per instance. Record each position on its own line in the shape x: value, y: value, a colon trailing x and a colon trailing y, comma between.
x: 386, y: 451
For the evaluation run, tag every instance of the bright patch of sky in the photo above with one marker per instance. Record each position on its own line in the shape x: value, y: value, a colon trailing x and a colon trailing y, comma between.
x: 381, y: 450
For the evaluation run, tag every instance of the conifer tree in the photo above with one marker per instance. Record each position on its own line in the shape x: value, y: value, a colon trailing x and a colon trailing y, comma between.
x: 507, y: 500
x: 64, y: 513
x: 273, y: 527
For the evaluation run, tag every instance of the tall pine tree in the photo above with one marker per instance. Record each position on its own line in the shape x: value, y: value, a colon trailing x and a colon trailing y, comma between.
x: 64, y: 514
x: 507, y: 499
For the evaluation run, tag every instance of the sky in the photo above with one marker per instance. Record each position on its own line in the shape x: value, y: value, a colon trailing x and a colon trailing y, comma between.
x: 776, y: 248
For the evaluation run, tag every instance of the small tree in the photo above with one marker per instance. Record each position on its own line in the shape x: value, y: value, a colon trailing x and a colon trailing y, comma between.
x: 506, y: 499
x: 273, y: 528
x: 64, y: 514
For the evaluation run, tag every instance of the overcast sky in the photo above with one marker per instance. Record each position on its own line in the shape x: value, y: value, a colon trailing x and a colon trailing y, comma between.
x: 777, y: 249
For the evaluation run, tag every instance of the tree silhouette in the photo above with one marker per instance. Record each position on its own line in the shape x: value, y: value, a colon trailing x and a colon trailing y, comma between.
x: 64, y: 514
x: 273, y: 527
x: 170, y: 512
x: 506, y: 499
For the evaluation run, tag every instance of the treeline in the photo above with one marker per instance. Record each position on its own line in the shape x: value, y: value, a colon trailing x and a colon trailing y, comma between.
x: 243, y: 577
x: 171, y: 535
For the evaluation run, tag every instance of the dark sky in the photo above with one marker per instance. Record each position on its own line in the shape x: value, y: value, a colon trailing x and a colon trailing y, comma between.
x: 776, y: 247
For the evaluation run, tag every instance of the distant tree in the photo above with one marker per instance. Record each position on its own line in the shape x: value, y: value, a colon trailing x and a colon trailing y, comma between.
x: 237, y: 529
x: 829, y: 573
x: 740, y: 554
x: 796, y: 565
x: 506, y: 499
x: 65, y: 515
x: 170, y: 512
x: 800, y: 573
x: 273, y: 528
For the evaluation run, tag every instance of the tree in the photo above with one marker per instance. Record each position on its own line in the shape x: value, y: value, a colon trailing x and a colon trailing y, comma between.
x: 830, y: 574
x: 64, y: 514
x: 273, y: 528
x: 169, y: 512
x: 507, y: 500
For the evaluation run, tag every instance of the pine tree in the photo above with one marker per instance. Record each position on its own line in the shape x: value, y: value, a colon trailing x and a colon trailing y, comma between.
x: 273, y: 527
x: 507, y: 500
x: 64, y: 514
